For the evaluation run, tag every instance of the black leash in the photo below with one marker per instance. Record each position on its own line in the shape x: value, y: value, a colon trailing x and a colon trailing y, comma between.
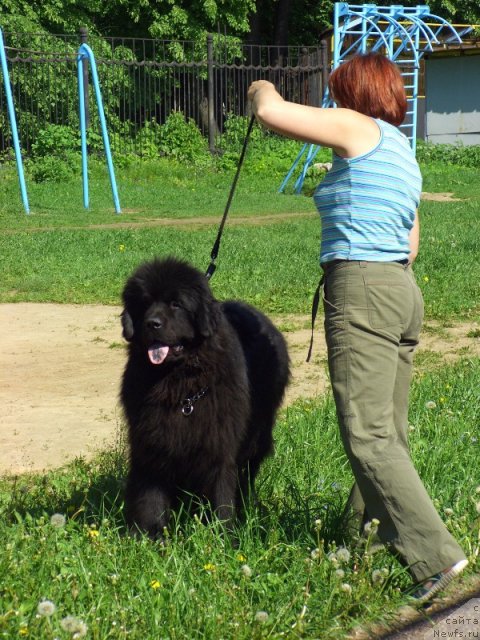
x: 315, y: 303
x: 213, y: 256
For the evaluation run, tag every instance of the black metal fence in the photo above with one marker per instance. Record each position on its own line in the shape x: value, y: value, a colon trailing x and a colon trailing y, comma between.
x: 143, y: 81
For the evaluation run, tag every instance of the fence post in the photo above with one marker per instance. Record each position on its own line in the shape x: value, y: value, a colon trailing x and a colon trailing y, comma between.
x: 324, y: 63
x: 210, y: 96
x: 83, y: 32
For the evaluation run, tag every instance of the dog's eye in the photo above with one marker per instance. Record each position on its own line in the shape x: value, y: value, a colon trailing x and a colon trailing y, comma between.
x: 175, y: 305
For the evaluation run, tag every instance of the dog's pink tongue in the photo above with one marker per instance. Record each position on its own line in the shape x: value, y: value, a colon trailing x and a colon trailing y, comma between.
x: 157, y: 354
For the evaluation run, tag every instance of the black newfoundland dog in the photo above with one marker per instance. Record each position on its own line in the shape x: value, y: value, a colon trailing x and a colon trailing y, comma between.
x: 201, y: 388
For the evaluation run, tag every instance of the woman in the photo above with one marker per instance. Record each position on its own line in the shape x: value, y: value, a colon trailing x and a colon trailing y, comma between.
x: 373, y: 307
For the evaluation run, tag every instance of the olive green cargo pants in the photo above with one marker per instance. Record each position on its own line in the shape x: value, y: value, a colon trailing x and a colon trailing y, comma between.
x: 373, y: 316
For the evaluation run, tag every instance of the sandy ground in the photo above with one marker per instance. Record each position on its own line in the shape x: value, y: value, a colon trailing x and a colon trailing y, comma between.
x: 60, y: 369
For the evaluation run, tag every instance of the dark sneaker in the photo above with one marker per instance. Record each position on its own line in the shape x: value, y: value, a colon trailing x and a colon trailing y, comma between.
x: 426, y: 590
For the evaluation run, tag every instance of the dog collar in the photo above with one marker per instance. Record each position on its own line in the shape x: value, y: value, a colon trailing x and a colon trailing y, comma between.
x: 187, y: 403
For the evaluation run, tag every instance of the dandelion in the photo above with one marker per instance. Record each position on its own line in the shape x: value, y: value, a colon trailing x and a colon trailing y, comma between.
x: 23, y: 631
x: 209, y: 567
x: 73, y: 625
x: 411, y: 427
x: 426, y: 278
x: 477, y: 490
x: 448, y: 512
x: 378, y: 576
x: 93, y: 533
x: 241, y: 557
x: 371, y: 527
x: 246, y: 570
x: 340, y: 574
x: 46, y: 608
x: 58, y: 520
x: 442, y: 399
x: 261, y: 616
x: 315, y: 554
x: 346, y: 588
x: 430, y: 404
x: 155, y: 584
x: 332, y: 557
x: 343, y: 555
x: 121, y: 247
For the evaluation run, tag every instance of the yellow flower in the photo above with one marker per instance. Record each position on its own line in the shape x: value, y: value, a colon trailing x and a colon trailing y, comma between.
x: 241, y: 557
x: 442, y: 400
x: 209, y: 567
x: 93, y: 533
x: 426, y: 278
x: 155, y: 584
x: 121, y: 247
x: 23, y: 631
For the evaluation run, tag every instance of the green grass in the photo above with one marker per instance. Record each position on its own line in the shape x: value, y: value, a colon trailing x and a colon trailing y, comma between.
x: 196, y: 585
x: 57, y: 255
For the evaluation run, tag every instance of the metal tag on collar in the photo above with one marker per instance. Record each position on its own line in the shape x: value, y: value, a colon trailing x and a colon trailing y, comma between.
x: 187, y: 407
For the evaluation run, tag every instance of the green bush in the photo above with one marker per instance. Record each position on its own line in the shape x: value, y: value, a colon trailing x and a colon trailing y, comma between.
x: 456, y: 154
x: 181, y: 139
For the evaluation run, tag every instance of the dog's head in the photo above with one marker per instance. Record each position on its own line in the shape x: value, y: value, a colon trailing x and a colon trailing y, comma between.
x: 168, y: 308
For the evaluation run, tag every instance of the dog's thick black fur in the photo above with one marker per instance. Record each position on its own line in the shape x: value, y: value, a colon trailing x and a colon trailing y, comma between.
x: 201, y: 388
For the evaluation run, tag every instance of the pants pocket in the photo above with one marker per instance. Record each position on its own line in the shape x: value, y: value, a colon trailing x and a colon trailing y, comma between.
x: 333, y: 307
x: 386, y: 304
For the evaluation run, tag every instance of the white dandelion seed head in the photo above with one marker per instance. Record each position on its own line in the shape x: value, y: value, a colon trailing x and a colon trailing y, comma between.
x: 378, y: 576
x: 69, y: 624
x: 346, y: 588
x: 73, y: 625
x: 477, y: 490
x: 246, y: 570
x: 81, y: 631
x: 318, y: 524
x: 343, y: 554
x: 315, y: 554
x: 448, y: 512
x: 430, y: 404
x: 371, y: 527
x: 58, y: 520
x: 46, y: 608
x: 261, y: 616
x: 340, y: 573
x: 332, y: 557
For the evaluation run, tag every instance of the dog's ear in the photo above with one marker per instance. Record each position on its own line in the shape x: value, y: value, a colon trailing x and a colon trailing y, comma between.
x: 127, y: 325
x: 208, y: 317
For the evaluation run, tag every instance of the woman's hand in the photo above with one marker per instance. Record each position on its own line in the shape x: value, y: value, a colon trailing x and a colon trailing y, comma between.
x: 256, y: 86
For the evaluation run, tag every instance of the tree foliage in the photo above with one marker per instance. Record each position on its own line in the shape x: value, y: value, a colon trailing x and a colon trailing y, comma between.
x: 265, y: 21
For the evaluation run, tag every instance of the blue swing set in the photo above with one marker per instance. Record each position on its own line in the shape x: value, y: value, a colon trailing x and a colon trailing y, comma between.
x: 84, y: 53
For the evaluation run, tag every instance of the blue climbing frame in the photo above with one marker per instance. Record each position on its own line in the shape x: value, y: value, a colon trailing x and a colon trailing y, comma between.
x: 403, y: 34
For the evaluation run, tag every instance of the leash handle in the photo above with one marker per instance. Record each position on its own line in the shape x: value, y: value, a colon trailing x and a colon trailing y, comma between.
x: 216, y: 246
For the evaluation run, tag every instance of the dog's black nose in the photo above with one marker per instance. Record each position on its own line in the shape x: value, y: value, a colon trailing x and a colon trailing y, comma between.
x: 154, y: 323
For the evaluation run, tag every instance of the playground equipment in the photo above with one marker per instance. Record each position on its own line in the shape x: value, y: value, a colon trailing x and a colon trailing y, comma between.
x: 84, y: 54
x: 403, y: 34
x: 13, y: 124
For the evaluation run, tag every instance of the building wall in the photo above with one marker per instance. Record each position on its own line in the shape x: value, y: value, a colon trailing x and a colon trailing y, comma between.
x: 452, y: 99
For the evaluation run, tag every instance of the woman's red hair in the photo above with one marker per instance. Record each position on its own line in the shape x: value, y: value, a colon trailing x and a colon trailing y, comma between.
x: 370, y: 84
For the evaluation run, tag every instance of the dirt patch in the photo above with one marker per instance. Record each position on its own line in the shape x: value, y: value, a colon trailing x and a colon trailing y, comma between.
x: 60, y: 370
x: 440, y: 197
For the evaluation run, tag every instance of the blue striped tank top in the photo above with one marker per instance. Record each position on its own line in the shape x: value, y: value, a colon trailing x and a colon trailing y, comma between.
x: 367, y: 204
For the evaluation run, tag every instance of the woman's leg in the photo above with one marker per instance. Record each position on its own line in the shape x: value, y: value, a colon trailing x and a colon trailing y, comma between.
x: 370, y: 310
